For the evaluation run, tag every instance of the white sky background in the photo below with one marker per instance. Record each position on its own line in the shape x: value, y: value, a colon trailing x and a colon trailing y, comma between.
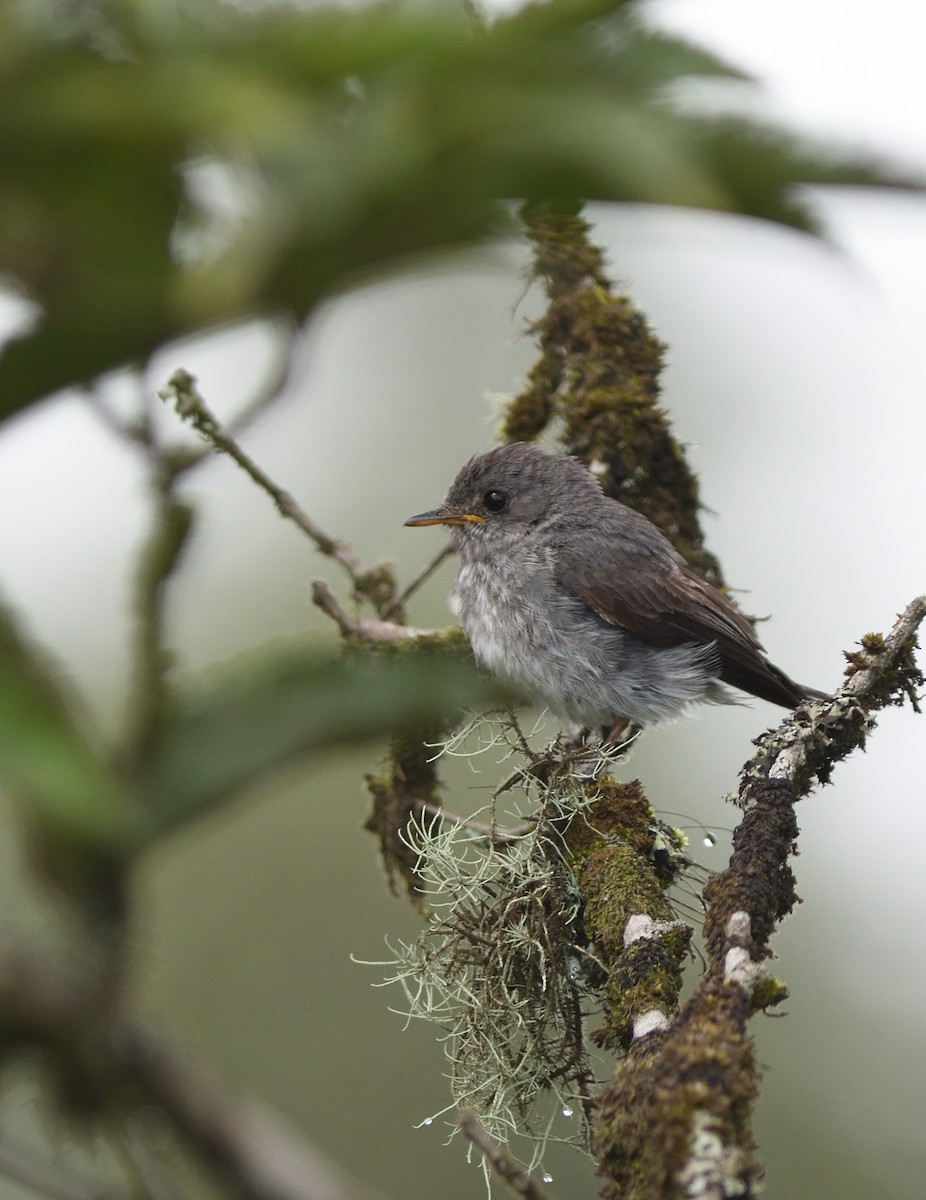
x: 797, y: 371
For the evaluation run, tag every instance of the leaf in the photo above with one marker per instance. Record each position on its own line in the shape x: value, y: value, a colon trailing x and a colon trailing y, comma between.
x: 239, y: 732
x: 66, y: 790
x: 361, y: 138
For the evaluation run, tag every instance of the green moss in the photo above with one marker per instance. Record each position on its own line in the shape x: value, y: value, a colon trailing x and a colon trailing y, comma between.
x: 769, y: 992
x: 621, y: 812
x: 598, y: 373
x: 450, y: 642
x: 704, y: 1065
x: 612, y: 856
x: 900, y: 680
x: 647, y: 975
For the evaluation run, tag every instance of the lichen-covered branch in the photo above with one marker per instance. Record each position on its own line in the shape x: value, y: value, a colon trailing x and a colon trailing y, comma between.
x: 599, y: 371
x: 625, y: 860
x: 675, y: 1121
x: 788, y: 761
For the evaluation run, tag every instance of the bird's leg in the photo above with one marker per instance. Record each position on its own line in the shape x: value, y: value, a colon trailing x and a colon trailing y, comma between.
x: 619, y: 734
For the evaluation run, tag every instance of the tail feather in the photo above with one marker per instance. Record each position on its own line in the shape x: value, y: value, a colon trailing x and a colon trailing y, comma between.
x: 768, y: 682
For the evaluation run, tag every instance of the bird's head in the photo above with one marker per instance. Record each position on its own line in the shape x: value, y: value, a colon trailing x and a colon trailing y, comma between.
x: 514, y: 487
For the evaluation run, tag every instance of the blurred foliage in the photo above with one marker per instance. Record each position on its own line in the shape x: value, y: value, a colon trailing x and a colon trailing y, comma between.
x: 216, y: 743
x: 168, y: 168
x: 172, y: 167
x: 211, y: 745
x: 45, y: 757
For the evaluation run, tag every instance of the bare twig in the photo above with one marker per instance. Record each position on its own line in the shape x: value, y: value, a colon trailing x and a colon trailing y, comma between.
x: 275, y: 382
x: 159, y: 559
x: 138, y: 430
x: 521, y: 1182
x: 376, y: 584
x: 191, y: 406
x: 367, y: 629
x: 423, y: 575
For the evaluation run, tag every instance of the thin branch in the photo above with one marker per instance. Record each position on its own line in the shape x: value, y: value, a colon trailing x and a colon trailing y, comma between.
x: 191, y: 407
x: 274, y: 384
x: 172, y: 524
x: 247, y: 1146
x: 423, y: 575
x: 366, y: 629
x: 123, y: 1067
x: 137, y: 431
x: 521, y: 1182
x: 23, y: 1167
x: 159, y: 559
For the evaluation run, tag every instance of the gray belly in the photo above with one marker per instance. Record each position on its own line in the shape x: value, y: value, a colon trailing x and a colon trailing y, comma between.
x: 567, y: 658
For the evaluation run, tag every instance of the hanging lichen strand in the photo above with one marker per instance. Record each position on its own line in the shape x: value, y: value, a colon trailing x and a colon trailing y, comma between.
x: 526, y: 941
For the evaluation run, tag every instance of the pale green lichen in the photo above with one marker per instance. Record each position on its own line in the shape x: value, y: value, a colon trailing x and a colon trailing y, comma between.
x: 527, y: 933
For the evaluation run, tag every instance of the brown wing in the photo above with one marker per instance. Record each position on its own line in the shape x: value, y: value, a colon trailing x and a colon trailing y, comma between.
x: 648, y: 591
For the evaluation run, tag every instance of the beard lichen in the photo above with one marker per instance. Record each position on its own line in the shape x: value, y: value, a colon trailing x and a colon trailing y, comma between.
x: 503, y: 968
x: 516, y: 953
x: 531, y: 930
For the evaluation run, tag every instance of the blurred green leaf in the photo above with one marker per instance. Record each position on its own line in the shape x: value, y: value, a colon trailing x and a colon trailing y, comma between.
x: 65, y: 788
x: 351, y: 139
x: 256, y: 721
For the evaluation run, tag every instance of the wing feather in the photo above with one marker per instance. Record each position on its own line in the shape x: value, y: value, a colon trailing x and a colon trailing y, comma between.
x: 643, y: 586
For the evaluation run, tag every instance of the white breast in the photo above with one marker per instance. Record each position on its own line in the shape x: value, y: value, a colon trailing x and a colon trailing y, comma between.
x: 475, y: 602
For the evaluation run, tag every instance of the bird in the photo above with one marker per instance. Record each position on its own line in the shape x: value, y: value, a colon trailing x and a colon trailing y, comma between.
x: 584, y: 606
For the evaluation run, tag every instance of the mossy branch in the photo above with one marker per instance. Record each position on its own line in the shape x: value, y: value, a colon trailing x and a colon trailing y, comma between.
x: 598, y: 378
x: 788, y: 761
x: 676, y: 1120
x: 628, y: 916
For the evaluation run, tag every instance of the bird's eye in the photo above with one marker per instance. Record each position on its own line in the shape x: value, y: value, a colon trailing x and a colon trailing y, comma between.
x: 495, y: 501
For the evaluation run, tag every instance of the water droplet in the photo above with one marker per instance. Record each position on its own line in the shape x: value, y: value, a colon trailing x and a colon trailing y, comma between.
x: 709, y: 840
x: 428, y: 1121
x: 547, y: 1177
x: 567, y: 1111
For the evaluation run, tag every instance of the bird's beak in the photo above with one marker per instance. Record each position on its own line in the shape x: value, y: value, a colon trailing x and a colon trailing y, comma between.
x: 446, y: 516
